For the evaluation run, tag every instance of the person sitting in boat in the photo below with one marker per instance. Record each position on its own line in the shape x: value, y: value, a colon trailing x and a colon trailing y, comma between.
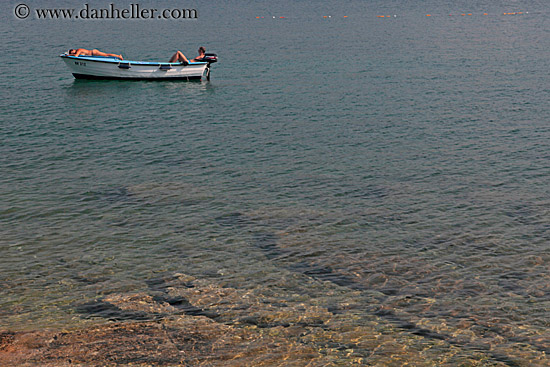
x: 94, y: 52
x: 180, y: 57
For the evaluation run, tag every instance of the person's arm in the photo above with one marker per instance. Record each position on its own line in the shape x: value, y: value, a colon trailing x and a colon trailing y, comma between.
x: 79, y: 52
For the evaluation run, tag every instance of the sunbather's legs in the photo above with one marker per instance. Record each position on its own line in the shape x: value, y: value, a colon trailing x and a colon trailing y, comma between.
x: 99, y: 53
x: 178, y: 56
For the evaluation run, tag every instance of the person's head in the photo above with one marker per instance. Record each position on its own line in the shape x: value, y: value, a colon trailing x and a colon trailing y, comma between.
x: 72, y: 51
x: 202, y: 50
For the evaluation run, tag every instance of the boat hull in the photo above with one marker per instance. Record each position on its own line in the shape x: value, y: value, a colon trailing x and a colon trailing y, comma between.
x: 98, y: 67
x: 104, y: 77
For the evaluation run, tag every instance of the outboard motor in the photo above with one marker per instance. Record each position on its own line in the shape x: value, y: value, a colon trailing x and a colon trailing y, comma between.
x: 210, y: 59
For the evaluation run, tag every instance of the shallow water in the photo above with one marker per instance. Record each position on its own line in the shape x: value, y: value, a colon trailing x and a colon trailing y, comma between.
x: 392, y: 172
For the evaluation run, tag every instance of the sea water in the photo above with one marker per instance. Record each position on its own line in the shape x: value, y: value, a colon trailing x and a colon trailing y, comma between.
x: 393, y: 170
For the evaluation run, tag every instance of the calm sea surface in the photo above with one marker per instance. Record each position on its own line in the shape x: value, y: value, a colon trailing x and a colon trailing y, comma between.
x: 392, y: 171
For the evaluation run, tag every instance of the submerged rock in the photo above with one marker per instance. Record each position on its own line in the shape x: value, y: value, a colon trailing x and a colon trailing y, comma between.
x: 197, y: 322
x: 185, y: 340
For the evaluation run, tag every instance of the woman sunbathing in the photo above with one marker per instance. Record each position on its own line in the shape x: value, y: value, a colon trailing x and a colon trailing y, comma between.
x: 84, y: 52
x: 180, y: 57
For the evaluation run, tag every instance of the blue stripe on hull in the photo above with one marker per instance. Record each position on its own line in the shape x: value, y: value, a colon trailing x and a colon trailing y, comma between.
x: 97, y: 77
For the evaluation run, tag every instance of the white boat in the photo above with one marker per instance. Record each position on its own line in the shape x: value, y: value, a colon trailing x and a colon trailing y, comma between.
x: 103, y: 67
